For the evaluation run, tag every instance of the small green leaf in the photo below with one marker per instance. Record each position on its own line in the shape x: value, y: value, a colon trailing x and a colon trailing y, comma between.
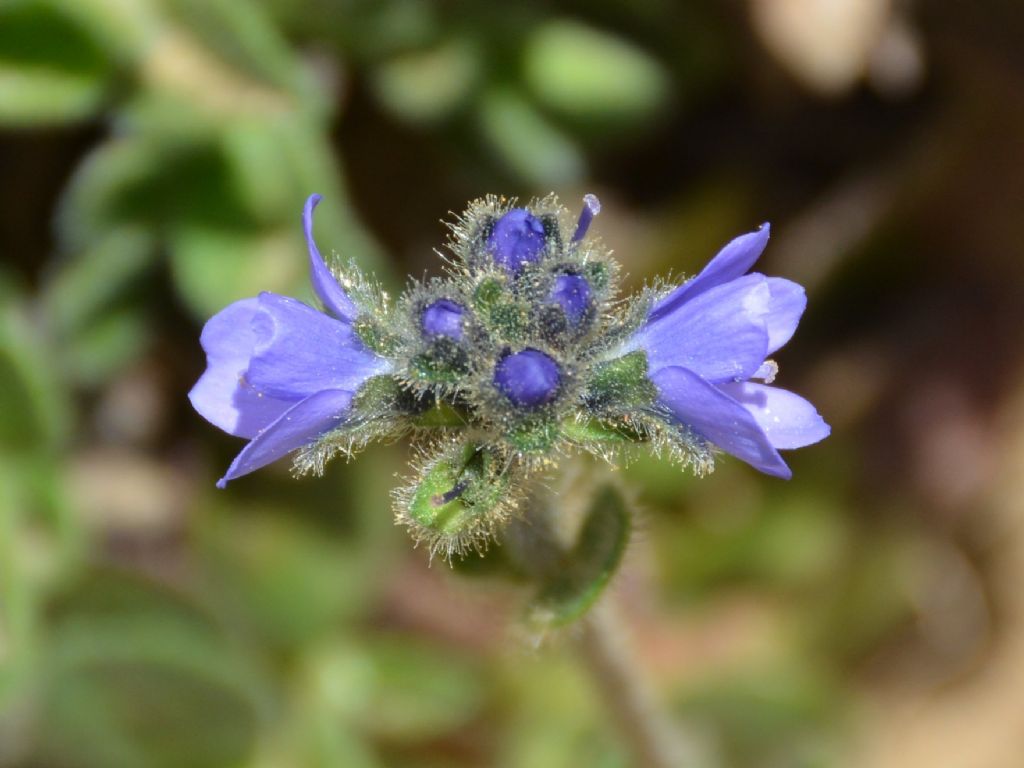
x: 589, y: 566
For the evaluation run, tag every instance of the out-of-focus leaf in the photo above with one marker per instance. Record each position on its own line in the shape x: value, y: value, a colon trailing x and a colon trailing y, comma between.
x: 108, y: 343
x: 241, y: 34
x: 554, y: 716
x: 123, y: 29
x: 97, y: 317
x: 136, y: 181
x: 33, y: 408
x: 574, y: 586
x: 90, y: 280
x: 397, y: 688
x: 214, y: 267
x: 589, y: 76
x: 282, y: 577
x: 772, y: 715
x: 138, y: 677
x: 429, y: 85
x: 528, y: 144
x: 50, y: 68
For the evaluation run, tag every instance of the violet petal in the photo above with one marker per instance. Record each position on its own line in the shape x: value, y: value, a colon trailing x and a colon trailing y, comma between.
x: 731, y: 262
x: 222, y: 396
x: 718, y: 418
x: 788, y: 302
x: 333, y: 296
x: 529, y: 378
x: 517, y: 239
x: 300, y: 351
x: 719, y: 335
x: 300, y: 425
x: 787, y: 419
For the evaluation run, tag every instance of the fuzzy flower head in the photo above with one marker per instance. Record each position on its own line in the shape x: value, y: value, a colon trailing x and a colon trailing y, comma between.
x: 522, y: 353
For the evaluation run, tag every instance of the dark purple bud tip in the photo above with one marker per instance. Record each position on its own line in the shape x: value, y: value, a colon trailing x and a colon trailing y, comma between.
x: 517, y: 239
x: 442, y: 318
x: 572, y: 294
x: 529, y: 379
x: 591, y: 207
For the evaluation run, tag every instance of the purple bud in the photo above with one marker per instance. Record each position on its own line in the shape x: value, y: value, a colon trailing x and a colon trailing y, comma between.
x: 572, y: 294
x: 442, y: 318
x: 517, y: 239
x: 591, y: 207
x: 529, y: 379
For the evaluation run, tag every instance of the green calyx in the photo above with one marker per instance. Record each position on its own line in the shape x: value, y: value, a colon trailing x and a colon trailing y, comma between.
x: 376, y: 336
x: 534, y: 436
x: 443, y: 363
x: 622, y: 383
x: 458, y: 500
x: 502, y: 314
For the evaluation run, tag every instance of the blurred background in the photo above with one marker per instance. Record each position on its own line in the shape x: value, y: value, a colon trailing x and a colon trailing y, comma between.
x: 154, y: 158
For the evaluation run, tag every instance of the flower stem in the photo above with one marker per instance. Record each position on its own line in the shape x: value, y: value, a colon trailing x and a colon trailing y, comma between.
x: 651, y: 735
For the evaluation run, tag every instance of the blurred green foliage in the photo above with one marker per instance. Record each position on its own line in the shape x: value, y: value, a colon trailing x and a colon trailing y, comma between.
x: 164, y: 148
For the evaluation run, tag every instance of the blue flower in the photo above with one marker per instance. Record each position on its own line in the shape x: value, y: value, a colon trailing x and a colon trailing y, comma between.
x: 279, y: 372
x: 709, y: 338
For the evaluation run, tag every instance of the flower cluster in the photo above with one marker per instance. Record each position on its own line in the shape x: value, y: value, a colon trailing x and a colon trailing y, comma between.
x: 521, y: 353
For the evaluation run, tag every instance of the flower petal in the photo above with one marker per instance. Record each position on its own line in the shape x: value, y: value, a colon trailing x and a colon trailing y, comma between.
x: 731, y: 262
x: 300, y: 351
x: 335, y: 300
x: 719, y: 335
x: 718, y: 418
x: 787, y: 419
x: 301, y: 424
x: 788, y: 302
x: 221, y: 396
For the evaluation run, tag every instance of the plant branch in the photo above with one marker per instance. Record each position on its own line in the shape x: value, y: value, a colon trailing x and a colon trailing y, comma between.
x: 651, y: 735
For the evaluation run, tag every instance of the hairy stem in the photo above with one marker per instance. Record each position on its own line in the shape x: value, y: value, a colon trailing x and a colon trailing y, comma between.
x: 651, y: 735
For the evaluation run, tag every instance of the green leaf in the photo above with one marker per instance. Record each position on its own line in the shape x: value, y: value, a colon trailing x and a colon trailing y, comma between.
x: 427, y: 86
x: 395, y: 687
x: 585, y: 571
x: 51, y: 70
x: 137, y: 675
x: 528, y: 144
x: 214, y: 267
x: 589, y: 76
x: 285, y: 578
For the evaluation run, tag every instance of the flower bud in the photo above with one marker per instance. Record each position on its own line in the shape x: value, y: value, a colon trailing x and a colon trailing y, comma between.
x: 572, y: 294
x: 529, y: 379
x: 517, y: 239
x: 460, y: 498
x: 442, y: 318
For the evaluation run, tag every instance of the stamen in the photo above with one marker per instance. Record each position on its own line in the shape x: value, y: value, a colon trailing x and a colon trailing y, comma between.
x: 444, y: 498
x: 767, y: 372
x: 591, y: 207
